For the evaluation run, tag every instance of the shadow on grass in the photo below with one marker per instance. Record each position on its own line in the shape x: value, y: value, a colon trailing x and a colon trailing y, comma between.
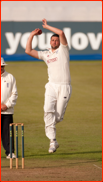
x: 62, y: 156
x: 65, y: 154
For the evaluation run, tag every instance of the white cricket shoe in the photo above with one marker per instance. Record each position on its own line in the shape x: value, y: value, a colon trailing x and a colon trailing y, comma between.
x: 13, y: 156
x: 53, y: 146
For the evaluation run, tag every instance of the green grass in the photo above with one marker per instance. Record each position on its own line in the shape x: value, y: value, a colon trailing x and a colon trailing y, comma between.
x: 80, y: 133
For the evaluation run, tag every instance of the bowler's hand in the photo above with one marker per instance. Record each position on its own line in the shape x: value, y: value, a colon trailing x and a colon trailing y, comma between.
x: 3, y: 107
x: 35, y: 32
x: 44, y: 23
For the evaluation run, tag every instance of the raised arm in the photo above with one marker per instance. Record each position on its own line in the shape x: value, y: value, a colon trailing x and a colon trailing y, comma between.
x: 61, y: 34
x: 29, y: 49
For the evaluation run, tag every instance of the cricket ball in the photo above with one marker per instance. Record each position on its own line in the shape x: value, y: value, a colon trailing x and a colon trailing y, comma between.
x: 40, y: 32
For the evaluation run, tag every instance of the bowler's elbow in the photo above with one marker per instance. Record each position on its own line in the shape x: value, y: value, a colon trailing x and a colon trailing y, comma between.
x: 27, y: 52
x: 62, y: 33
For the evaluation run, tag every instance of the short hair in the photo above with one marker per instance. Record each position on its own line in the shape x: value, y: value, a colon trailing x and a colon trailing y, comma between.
x: 55, y: 35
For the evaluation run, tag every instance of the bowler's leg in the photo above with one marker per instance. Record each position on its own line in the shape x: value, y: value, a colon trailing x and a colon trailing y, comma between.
x: 49, y: 117
x: 62, y: 101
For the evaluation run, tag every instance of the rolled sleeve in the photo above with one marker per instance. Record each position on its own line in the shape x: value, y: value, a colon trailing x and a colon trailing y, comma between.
x: 41, y: 55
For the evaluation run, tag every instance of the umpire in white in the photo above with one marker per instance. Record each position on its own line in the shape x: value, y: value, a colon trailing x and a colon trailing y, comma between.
x: 8, y: 100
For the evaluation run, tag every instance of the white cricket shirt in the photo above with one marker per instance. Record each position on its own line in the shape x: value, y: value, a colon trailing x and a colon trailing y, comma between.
x: 58, y: 64
x: 8, y: 92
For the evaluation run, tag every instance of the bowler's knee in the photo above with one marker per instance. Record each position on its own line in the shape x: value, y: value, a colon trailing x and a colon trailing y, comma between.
x: 58, y: 117
x: 49, y: 108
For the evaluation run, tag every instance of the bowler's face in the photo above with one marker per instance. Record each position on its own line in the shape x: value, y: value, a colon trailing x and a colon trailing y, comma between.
x: 55, y: 42
x: 2, y: 69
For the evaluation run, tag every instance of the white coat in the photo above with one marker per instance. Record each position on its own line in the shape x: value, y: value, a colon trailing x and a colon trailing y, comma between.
x: 8, y: 92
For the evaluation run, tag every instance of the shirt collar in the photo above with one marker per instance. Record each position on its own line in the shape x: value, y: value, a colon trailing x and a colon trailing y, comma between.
x: 50, y: 50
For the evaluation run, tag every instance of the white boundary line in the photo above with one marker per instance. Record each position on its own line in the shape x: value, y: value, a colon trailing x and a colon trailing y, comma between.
x: 97, y: 166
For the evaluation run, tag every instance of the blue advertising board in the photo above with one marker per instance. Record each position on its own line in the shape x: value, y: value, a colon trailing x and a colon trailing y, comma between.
x: 84, y: 39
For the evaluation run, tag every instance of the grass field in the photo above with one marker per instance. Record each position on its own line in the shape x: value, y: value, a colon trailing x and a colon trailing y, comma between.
x: 79, y: 157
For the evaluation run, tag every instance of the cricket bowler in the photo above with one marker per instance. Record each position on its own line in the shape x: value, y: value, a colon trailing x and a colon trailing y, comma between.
x: 58, y: 89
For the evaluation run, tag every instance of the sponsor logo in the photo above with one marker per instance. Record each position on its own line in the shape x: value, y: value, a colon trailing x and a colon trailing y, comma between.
x: 78, y: 41
x: 52, y: 60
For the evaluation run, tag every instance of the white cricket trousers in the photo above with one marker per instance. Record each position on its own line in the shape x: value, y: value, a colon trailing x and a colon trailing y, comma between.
x: 56, y: 100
